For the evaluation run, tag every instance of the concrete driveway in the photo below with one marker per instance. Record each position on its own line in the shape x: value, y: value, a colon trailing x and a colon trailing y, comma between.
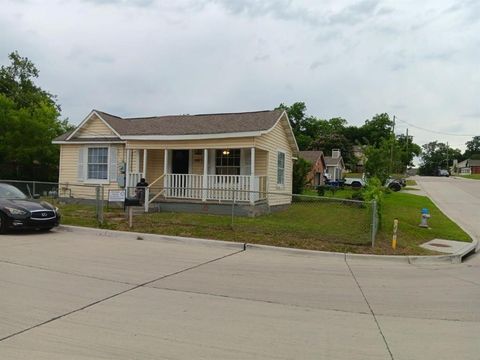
x: 76, y: 295
x: 457, y: 197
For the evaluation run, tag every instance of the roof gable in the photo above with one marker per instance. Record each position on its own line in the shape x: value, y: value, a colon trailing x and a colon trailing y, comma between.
x: 202, y: 124
x: 184, y: 127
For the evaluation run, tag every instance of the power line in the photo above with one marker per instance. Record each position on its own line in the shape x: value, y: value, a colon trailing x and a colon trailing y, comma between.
x: 434, y: 131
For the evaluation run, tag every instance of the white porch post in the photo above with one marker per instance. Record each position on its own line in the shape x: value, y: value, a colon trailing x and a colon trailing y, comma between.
x: 145, y: 163
x: 205, y: 169
x: 252, y: 175
x: 147, y: 190
x: 127, y: 169
x: 165, y: 169
x: 137, y: 164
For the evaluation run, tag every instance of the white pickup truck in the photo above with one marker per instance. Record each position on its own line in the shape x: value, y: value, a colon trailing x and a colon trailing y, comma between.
x: 356, y: 182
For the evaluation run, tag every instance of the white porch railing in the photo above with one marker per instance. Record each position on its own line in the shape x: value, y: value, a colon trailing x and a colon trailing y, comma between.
x: 134, y: 178
x: 217, y: 187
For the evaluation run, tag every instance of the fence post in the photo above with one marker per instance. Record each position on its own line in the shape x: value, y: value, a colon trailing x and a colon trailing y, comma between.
x: 99, y: 202
x: 374, y: 221
x: 146, y: 199
x: 33, y: 186
x: 233, y: 206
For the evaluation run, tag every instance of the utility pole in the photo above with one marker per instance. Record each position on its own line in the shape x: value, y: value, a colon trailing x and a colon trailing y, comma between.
x: 408, y: 156
x: 391, y: 149
x: 447, y: 155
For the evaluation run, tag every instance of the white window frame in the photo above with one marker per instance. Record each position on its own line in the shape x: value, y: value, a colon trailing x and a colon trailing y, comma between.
x: 279, y: 151
x: 97, y: 181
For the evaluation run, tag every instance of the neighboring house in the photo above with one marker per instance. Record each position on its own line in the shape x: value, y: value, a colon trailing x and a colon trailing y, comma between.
x: 317, y: 159
x: 335, y: 165
x: 194, y: 158
x: 469, y: 166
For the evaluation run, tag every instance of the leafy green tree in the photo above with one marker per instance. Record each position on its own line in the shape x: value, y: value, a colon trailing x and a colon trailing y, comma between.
x: 381, y: 161
x: 301, y: 168
x: 376, y: 130
x: 29, y: 120
x: 408, y: 150
x: 473, y: 147
x: 434, y: 157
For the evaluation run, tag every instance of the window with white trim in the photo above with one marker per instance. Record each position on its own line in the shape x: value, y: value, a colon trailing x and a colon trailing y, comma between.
x: 97, y: 163
x: 227, y: 162
x: 280, y: 168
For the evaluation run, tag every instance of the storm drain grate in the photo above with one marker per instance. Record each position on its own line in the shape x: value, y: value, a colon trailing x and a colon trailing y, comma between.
x: 439, y: 245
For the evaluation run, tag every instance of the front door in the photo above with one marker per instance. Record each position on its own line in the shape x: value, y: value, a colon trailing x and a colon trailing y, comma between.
x: 180, y: 161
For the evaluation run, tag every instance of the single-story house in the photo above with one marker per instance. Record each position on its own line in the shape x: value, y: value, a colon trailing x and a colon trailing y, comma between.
x: 316, y: 175
x: 193, y: 158
x: 335, y: 165
x: 469, y: 166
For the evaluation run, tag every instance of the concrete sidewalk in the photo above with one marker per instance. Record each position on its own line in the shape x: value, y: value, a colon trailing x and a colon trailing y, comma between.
x: 68, y: 295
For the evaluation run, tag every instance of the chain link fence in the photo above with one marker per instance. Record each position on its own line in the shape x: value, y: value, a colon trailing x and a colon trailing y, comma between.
x: 80, y: 204
x: 281, y: 219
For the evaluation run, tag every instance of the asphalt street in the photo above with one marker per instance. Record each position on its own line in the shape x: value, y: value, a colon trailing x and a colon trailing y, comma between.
x: 74, y: 295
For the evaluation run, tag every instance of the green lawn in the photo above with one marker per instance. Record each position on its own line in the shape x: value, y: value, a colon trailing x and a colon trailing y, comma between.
x: 473, y: 176
x: 406, y: 208
x: 411, y: 183
x: 345, y: 193
x: 315, y: 223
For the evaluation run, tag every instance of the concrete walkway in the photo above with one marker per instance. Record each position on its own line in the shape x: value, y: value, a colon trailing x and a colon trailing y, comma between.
x: 69, y: 295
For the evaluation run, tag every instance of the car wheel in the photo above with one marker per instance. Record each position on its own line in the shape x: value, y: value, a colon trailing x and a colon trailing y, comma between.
x: 356, y: 185
x: 3, y: 224
x: 395, y: 186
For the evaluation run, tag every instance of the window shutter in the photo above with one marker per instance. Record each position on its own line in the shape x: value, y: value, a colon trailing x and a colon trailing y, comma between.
x: 81, y: 164
x: 112, y: 169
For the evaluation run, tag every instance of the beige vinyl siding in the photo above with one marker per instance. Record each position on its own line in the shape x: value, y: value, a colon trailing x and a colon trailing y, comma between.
x: 261, y: 162
x: 276, y: 140
x: 68, y: 177
x: 155, y: 161
x: 228, y: 143
x: 197, y: 162
x: 94, y: 127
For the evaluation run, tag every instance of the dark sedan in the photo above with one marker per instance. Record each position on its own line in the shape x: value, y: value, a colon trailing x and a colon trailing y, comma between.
x: 17, y: 211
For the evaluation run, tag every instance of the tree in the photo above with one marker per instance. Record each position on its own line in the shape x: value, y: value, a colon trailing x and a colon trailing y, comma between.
x: 29, y: 120
x: 376, y: 130
x: 473, y: 147
x: 408, y: 150
x: 301, y: 168
x: 434, y: 157
x: 379, y: 162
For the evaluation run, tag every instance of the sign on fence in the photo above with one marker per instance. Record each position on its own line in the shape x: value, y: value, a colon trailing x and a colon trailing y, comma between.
x: 116, y: 196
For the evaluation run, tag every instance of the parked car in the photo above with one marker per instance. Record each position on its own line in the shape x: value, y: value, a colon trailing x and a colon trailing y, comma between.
x: 356, y: 183
x: 17, y: 211
x: 443, y: 172
x: 394, y: 184
x: 335, y: 183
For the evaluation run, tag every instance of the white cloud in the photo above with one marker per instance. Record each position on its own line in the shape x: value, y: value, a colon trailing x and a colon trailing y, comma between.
x: 343, y: 58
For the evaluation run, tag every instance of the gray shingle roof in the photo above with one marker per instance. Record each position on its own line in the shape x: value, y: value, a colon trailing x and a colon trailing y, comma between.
x: 310, y: 155
x: 332, y: 161
x: 193, y: 124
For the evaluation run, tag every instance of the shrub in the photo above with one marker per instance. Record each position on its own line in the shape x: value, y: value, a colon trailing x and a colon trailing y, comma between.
x: 321, y: 190
x: 301, y: 168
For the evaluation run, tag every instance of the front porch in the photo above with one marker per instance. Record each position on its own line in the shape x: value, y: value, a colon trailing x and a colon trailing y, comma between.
x: 199, y: 175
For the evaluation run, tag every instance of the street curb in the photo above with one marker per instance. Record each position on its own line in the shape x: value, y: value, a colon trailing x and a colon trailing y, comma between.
x: 130, y: 235
x: 455, y: 258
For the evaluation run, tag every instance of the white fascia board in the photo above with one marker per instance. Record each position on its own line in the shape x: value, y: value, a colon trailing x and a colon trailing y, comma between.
x: 194, y: 137
x: 296, y: 149
x: 93, y: 112
x: 72, y: 142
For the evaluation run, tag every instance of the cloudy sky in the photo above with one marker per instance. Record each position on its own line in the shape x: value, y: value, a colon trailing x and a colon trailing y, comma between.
x: 418, y: 60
